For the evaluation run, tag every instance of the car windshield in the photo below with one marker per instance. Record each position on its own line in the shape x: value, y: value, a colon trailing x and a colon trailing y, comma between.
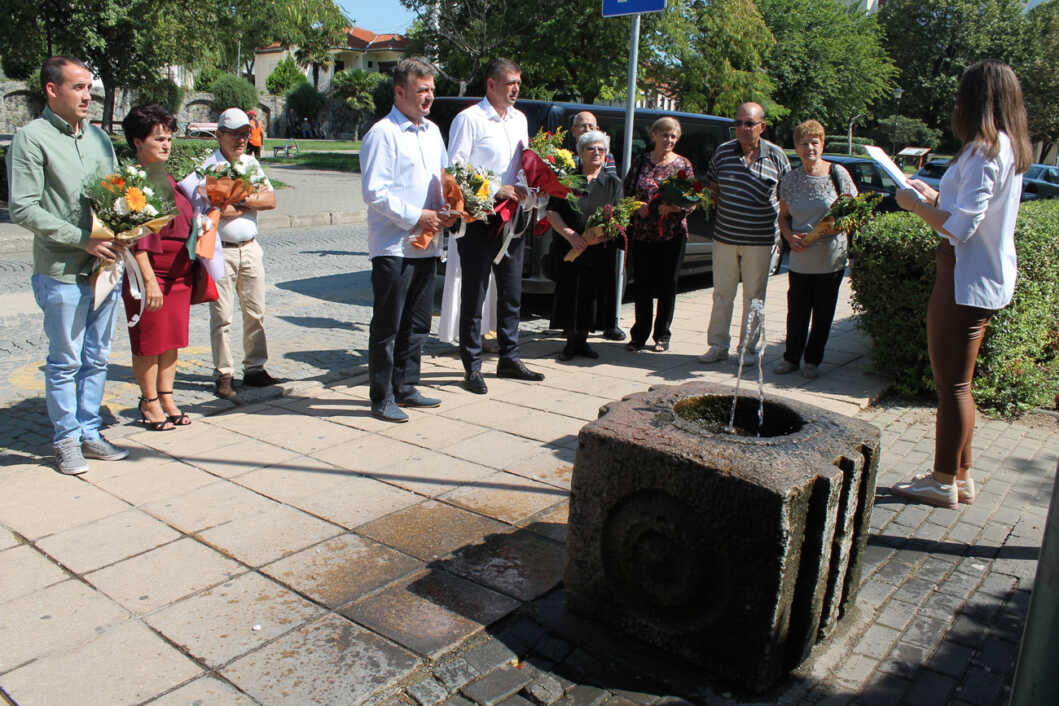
x: 933, y: 171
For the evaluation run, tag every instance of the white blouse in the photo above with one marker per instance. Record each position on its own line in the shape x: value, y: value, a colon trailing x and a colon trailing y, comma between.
x: 982, y: 195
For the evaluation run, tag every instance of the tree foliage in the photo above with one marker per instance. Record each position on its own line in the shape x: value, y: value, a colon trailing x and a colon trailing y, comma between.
x: 828, y: 62
x: 231, y: 91
x: 355, y: 88
x: 306, y: 100
x: 164, y: 92
x: 284, y: 77
x: 711, y: 54
x: 1039, y: 72
x: 906, y: 132
x: 933, y: 41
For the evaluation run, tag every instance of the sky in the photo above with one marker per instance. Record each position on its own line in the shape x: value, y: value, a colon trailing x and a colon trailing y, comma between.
x: 379, y: 16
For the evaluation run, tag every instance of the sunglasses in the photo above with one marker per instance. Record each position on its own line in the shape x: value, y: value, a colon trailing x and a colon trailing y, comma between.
x: 747, y: 123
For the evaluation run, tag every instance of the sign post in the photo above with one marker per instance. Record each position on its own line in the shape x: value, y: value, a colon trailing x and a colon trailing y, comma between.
x: 619, y: 8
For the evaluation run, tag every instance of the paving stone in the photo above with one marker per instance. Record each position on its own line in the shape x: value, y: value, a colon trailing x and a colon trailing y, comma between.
x: 929, y: 689
x: 430, y: 612
x: 998, y: 656
x: 455, y: 672
x: 204, y: 692
x: 950, y: 658
x: 521, y: 636
x: 430, y: 530
x: 926, y: 631
x: 515, y: 700
x: 884, y: 690
x: 342, y: 569
x: 457, y: 700
x: 108, y: 540
x: 904, y: 660
x: 330, y: 661
x: 877, y: 641
x: 496, y: 686
x: 896, y: 614
x: 544, y: 690
x: 123, y: 665
x: 520, y: 564
x: 489, y: 655
x: 25, y: 571
x: 584, y: 695
x: 231, y: 619
x: 269, y: 535
x: 856, y: 669
x: 967, y: 630
x: 553, y: 648
x: 427, y: 692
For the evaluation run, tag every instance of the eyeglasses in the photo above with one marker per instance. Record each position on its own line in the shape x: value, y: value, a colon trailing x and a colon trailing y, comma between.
x: 747, y: 123
x: 236, y: 135
x: 597, y: 148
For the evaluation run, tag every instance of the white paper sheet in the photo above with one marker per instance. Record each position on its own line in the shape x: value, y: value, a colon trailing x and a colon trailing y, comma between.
x: 888, y: 166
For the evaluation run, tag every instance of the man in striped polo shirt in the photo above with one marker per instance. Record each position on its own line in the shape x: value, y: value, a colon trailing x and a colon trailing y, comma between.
x: 744, y: 176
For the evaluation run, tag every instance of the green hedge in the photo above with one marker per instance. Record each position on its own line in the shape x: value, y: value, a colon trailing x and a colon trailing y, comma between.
x: 892, y: 274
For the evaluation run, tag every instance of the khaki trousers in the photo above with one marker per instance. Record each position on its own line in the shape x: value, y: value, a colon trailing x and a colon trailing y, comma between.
x: 244, y: 274
x: 751, y: 264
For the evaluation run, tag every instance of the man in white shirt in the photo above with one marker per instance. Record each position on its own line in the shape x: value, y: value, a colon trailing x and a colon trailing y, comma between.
x: 401, y: 160
x: 491, y: 135
x: 244, y: 266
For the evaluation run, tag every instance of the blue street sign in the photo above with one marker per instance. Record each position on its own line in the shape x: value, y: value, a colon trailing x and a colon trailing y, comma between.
x: 616, y: 8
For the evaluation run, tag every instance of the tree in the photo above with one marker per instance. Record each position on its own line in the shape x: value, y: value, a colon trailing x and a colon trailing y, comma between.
x: 123, y: 42
x: 355, y: 88
x: 230, y: 91
x: 163, y: 92
x: 711, y: 54
x: 1039, y: 73
x: 905, y: 132
x: 828, y: 62
x: 933, y: 41
x: 314, y: 27
x: 306, y: 100
x: 284, y: 77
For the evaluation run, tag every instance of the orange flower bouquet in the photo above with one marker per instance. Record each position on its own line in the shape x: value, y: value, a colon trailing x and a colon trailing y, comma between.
x: 133, y: 202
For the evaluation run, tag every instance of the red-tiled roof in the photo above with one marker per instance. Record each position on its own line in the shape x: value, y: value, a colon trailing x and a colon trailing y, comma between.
x: 363, y: 39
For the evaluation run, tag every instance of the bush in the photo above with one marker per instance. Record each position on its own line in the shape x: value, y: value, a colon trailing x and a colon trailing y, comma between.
x: 284, y: 77
x: 164, y: 92
x: 230, y: 91
x: 839, y: 144
x: 205, y: 78
x: 892, y: 274
x: 306, y: 100
x: 905, y: 132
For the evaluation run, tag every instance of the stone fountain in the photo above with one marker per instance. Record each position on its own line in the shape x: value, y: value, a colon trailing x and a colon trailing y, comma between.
x: 736, y: 551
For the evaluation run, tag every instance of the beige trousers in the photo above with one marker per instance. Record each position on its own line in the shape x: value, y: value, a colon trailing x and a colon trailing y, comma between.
x: 732, y: 263
x: 244, y: 274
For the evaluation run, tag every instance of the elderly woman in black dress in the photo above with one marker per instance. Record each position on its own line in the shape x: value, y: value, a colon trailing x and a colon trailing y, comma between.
x: 583, y: 299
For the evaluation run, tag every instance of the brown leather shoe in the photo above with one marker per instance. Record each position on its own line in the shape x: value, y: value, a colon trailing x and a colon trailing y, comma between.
x: 224, y: 388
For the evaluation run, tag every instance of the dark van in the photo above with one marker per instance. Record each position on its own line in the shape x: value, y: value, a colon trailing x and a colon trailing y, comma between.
x: 700, y: 136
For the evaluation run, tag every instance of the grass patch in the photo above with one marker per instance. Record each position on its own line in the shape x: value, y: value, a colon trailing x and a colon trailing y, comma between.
x: 328, y: 161
x: 325, y: 145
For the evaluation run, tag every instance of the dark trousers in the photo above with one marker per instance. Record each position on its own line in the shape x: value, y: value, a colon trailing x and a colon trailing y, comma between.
x: 810, y: 297
x: 478, y: 247
x: 954, y: 335
x: 655, y: 270
x: 400, y: 322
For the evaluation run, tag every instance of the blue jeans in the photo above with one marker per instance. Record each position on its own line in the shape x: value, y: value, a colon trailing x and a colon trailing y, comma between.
x: 78, y: 351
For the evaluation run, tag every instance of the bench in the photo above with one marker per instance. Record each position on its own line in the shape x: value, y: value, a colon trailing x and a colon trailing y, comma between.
x: 285, y: 149
x: 201, y: 129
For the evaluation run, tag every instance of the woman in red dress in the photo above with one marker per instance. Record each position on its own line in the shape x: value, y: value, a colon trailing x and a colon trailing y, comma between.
x: 168, y: 277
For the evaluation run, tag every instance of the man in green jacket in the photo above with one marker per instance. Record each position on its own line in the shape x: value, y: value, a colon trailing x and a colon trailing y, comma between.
x: 48, y: 163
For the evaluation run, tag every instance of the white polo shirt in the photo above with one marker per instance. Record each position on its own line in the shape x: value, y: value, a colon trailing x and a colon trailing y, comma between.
x: 401, y: 165
x: 982, y: 197
x: 481, y: 138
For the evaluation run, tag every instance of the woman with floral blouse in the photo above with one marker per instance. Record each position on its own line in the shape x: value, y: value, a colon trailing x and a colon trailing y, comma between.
x: 657, y: 235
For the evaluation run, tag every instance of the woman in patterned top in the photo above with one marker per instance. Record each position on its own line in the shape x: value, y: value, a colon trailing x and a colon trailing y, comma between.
x: 816, y: 268
x: 657, y: 235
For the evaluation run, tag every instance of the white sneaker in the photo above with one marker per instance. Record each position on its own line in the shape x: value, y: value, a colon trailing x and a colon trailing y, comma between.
x: 965, y: 491
x: 785, y: 366
x: 810, y: 371
x: 714, y: 355
x: 927, y: 489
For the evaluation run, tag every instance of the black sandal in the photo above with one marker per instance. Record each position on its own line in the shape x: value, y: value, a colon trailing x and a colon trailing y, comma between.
x: 633, y: 346
x: 152, y: 425
x: 177, y: 420
x: 659, y: 347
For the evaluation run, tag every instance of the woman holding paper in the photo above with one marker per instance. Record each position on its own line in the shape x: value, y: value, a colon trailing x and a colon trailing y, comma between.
x: 818, y: 255
x: 581, y: 301
x: 168, y: 276
x: 973, y: 213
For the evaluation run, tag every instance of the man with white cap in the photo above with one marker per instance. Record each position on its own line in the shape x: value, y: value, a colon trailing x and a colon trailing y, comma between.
x: 244, y: 266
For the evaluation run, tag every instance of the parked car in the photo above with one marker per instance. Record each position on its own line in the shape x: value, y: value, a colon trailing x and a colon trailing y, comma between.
x: 1041, y: 181
x: 932, y: 172
x: 866, y: 174
x: 700, y: 136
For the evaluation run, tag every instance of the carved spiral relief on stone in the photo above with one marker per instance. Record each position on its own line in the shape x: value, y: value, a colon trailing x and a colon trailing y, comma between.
x: 658, y: 554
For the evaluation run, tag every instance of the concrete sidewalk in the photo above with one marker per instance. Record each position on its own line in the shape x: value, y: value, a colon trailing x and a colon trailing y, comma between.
x: 298, y: 551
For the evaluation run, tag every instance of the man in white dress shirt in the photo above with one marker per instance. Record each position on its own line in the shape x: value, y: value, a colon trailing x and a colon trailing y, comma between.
x: 402, y: 158
x: 491, y: 135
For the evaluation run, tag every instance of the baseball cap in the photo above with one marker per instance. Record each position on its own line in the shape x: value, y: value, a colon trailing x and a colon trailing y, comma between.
x: 252, y: 112
x: 232, y: 119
